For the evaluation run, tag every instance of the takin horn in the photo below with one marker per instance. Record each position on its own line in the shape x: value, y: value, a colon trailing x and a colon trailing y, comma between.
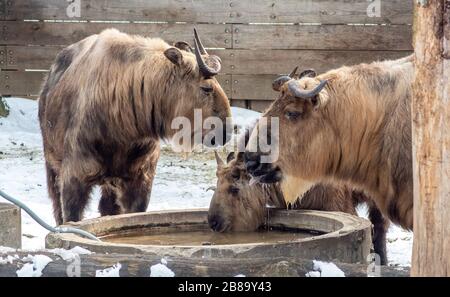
x: 280, y: 81
x: 205, y: 70
x: 303, y: 94
x: 219, y: 160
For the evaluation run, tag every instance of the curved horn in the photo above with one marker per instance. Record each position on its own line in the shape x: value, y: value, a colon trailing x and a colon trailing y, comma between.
x: 293, y: 87
x: 279, y: 82
x: 200, y: 45
x: 219, y: 160
x: 205, y: 70
x: 294, y: 72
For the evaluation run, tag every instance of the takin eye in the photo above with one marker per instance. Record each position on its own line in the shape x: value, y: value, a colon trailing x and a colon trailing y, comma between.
x: 292, y: 115
x: 235, y: 174
x: 233, y: 191
x: 207, y: 90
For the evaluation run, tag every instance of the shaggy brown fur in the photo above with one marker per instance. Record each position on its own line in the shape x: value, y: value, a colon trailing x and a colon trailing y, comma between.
x: 357, y: 130
x: 106, y: 103
x: 239, y: 206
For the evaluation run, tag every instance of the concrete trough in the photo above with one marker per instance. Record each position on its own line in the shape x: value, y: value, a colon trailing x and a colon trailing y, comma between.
x: 333, y: 236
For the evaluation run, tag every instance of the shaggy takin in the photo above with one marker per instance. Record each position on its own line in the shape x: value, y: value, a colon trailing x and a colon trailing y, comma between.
x: 350, y: 125
x: 239, y: 205
x: 107, y: 102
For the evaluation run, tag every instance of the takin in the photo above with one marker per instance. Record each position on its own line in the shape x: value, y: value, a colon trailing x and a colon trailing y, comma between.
x: 107, y: 102
x: 351, y: 125
x: 239, y: 205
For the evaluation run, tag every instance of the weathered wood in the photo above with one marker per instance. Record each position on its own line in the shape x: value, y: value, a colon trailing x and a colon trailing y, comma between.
x: 29, y: 83
x: 336, y: 37
x: 233, y: 61
x: 10, y: 222
x: 21, y: 83
x: 223, y: 11
x: 431, y: 139
x: 59, y: 33
x: 240, y: 103
x: 259, y: 105
x: 31, y: 57
x: 3, y: 55
x: 139, y: 265
x: 253, y: 87
x: 267, y: 61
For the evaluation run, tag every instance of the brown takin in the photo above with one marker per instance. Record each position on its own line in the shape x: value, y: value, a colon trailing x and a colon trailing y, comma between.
x: 106, y: 104
x: 350, y: 125
x: 239, y: 205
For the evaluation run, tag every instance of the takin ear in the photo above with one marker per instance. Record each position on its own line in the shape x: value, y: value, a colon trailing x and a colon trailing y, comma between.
x: 230, y: 157
x: 174, y: 55
x: 308, y: 73
x: 184, y: 46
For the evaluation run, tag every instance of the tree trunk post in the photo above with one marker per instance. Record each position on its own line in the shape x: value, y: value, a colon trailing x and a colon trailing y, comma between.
x: 431, y: 138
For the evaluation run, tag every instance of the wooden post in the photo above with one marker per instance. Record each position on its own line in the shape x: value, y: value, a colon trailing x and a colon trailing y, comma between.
x: 4, y: 111
x: 431, y: 139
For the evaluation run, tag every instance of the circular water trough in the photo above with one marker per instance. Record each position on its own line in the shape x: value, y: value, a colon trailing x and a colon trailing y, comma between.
x: 327, y: 236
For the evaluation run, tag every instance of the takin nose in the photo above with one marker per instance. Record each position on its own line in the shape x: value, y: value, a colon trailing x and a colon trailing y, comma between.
x: 252, y: 161
x: 264, y: 172
x: 215, y: 223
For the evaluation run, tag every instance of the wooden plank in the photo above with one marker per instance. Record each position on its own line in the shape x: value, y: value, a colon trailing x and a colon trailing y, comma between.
x: 259, y: 105
x: 253, y: 87
x: 57, y: 33
x: 239, y: 103
x: 3, y: 55
x: 335, y: 37
x: 29, y: 83
x: 31, y: 57
x: 233, y: 61
x: 21, y: 83
x: 223, y: 11
x: 42, y: 57
x: 283, y: 61
x: 431, y: 140
x: 322, y: 11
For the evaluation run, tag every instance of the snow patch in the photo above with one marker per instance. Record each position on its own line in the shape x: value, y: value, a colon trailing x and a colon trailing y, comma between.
x: 5, y: 249
x: 109, y: 272
x: 244, y: 117
x: 8, y: 260
x: 34, y: 269
x: 70, y: 254
x: 325, y: 269
x: 161, y: 270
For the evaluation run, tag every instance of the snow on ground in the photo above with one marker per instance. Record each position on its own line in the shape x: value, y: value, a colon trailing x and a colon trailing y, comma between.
x: 180, y: 182
x: 109, y: 272
x: 325, y: 269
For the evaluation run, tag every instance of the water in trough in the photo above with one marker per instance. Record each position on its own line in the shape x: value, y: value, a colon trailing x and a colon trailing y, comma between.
x: 207, y: 237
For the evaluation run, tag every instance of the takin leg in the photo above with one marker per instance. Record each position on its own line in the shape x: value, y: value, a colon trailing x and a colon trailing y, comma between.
x: 380, y: 228
x: 135, y: 193
x: 54, y: 193
x: 135, y: 190
x: 108, y: 203
x: 76, y: 180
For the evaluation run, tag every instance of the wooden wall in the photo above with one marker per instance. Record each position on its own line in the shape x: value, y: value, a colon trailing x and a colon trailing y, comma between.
x: 257, y: 40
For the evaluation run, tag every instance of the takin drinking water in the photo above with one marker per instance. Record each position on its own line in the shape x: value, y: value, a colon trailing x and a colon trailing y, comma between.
x: 238, y: 205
